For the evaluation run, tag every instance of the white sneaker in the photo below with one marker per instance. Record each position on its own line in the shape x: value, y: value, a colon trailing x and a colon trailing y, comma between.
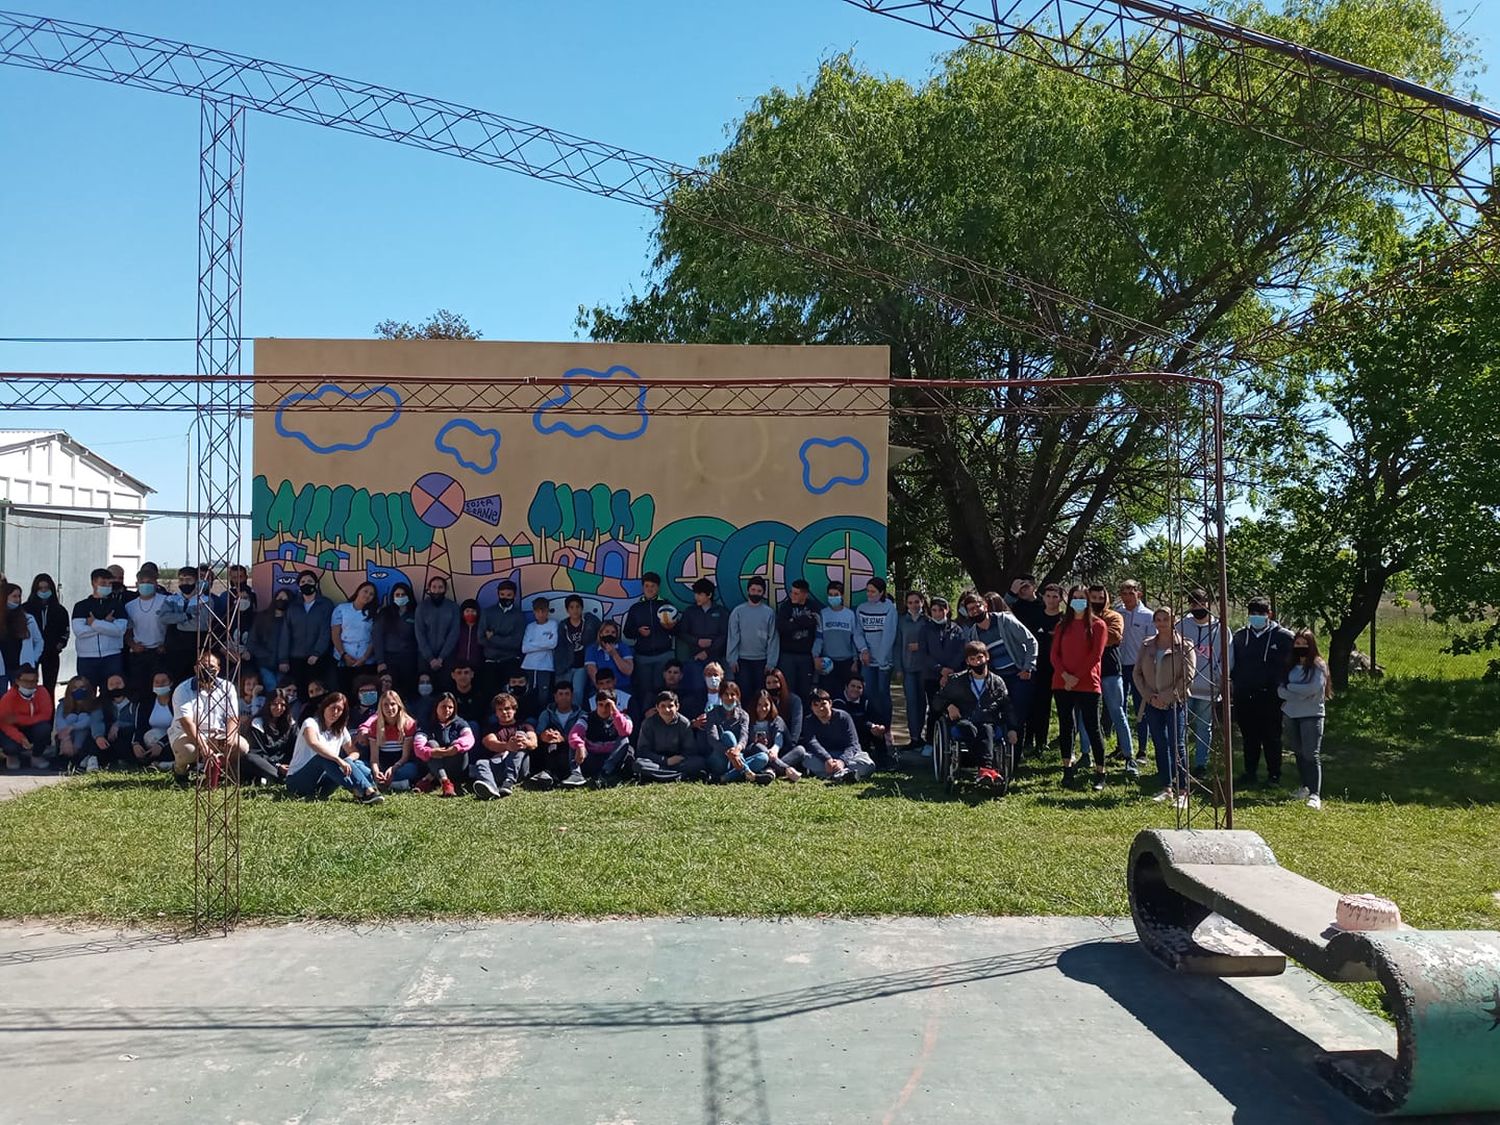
x: 1301, y: 793
x: 1164, y: 795
x: 165, y: 767
x: 1315, y: 802
x: 90, y: 764
x: 1181, y: 801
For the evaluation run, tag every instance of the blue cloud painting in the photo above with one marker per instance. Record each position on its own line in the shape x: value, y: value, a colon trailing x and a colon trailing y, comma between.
x: 325, y: 401
x: 471, y: 445
x: 835, y: 466
x: 578, y: 376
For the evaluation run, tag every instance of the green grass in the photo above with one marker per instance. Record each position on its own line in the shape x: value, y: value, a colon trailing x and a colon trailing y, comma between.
x: 1411, y: 813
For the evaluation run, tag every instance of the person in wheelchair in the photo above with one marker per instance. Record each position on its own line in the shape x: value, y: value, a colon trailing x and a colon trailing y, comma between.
x: 978, y: 705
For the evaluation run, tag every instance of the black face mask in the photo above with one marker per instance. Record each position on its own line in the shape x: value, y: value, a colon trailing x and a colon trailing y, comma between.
x: 755, y: 598
x: 1200, y: 612
x: 280, y: 607
x: 506, y: 603
x: 308, y: 591
x: 1299, y: 653
x: 116, y: 693
x: 186, y: 587
x: 978, y: 669
x: 605, y: 639
x: 976, y: 614
x: 437, y: 599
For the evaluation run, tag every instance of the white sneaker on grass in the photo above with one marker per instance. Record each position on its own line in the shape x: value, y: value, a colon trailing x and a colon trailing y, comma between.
x: 90, y: 764
x: 1301, y: 793
x: 1164, y: 795
x: 1315, y: 802
x: 1181, y: 801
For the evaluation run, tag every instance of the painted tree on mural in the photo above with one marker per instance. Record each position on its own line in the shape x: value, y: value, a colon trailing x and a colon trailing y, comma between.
x: 590, y: 515
x: 371, y: 522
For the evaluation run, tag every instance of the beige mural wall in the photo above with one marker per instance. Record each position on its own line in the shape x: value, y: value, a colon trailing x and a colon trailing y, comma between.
x: 578, y: 487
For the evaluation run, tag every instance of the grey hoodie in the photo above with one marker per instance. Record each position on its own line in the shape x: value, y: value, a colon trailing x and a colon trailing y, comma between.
x: 1302, y: 696
x: 1207, y: 642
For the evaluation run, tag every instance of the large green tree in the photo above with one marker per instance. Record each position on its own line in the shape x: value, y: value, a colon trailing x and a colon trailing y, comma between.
x: 1192, y: 226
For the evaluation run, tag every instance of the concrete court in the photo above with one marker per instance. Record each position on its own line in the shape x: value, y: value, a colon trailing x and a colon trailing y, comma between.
x: 614, y: 1022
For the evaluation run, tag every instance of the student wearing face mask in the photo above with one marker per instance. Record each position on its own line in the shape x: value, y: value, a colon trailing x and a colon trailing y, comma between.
x: 307, y: 646
x: 838, y: 640
x: 910, y: 628
x: 26, y: 713
x: 192, y: 616
x: 437, y: 622
x: 396, y: 639
x: 1012, y: 647
x: 1077, y: 650
x: 151, y: 614
x: 207, y: 723
x: 503, y: 628
x: 978, y: 704
x: 1039, y: 721
x: 753, y: 644
x: 153, y: 718
x: 1112, y: 680
x: 610, y: 651
x: 470, y: 646
x: 20, y: 636
x: 266, y: 638
x: 1304, y: 692
x: 1201, y: 629
x: 99, y: 625
x: 1258, y: 657
x: 55, y: 625
x: 943, y: 643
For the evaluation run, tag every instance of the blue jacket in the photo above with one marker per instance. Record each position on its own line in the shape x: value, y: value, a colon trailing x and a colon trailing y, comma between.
x: 437, y: 629
x: 877, y: 627
x: 839, y: 637
x: 836, y: 738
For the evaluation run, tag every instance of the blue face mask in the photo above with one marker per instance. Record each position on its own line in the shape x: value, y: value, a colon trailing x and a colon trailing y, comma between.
x: 1079, y: 604
x: 146, y: 589
x: 424, y: 689
x: 368, y: 698
x: 835, y: 600
x: 1259, y: 621
x: 80, y: 694
x: 44, y: 594
x: 400, y: 599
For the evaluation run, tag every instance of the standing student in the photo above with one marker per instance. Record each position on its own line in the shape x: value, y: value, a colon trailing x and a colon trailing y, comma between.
x: 504, y: 627
x: 1112, y: 678
x: 351, y: 633
x: 651, y: 636
x: 943, y: 643
x: 576, y: 632
x: 877, y: 633
x: 612, y: 653
x: 838, y: 639
x: 471, y: 644
x: 1077, y: 649
x: 797, y: 636
x: 1259, y: 654
x: 1200, y: 628
x: 911, y: 627
x: 21, y: 641
x: 1163, y: 673
x: 703, y: 633
x: 1012, y: 649
x: 1024, y: 603
x: 753, y: 644
x: 1039, y: 726
x: 192, y: 617
x: 99, y: 625
x: 55, y: 625
x: 151, y: 614
x: 396, y: 639
x: 266, y: 637
x: 308, y: 643
x: 1138, y: 626
x: 437, y: 630
x: 321, y: 759
x: 539, y: 654
x: 1304, y: 694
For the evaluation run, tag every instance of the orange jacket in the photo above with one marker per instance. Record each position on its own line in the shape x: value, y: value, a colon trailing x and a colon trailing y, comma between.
x: 16, y: 712
x: 1077, y: 651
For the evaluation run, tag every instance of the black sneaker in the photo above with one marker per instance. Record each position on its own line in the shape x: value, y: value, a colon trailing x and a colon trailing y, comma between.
x: 504, y: 790
x: 373, y: 797
x: 1098, y: 783
x: 541, y: 780
x: 574, y: 780
x: 764, y: 777
x: 484, y: 791
x: 182, y: 780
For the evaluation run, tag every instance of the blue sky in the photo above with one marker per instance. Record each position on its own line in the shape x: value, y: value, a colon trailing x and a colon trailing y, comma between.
x: 98, y: 200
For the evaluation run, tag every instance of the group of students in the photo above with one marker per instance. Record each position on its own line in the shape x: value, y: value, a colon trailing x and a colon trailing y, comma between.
x: 378, y: 695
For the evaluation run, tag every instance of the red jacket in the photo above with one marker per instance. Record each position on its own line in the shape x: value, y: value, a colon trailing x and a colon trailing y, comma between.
x: 1077, y: 650
x: 16, y: 712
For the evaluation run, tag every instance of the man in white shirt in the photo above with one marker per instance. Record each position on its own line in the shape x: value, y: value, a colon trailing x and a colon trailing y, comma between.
x: 150, y: 612
x: 207, y: 722
x: 1138, y: 629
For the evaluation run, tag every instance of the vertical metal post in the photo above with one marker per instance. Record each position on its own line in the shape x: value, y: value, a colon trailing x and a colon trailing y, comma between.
x: 1220, y: 562
x: 215, y: 491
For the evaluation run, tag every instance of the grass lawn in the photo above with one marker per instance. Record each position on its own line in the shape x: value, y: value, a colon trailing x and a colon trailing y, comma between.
x: 1412, y: 812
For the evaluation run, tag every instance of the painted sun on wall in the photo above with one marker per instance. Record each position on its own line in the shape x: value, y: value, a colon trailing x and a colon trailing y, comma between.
x: 569, y: 498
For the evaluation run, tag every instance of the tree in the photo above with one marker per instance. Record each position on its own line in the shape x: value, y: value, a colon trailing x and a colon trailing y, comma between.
x: 544, y: 517
x: 261, y: 499
x: 317, y: 517
x: 1069, y: 184
x: 441, y: 325
x: 1401, y: 467
x: 279, y: 515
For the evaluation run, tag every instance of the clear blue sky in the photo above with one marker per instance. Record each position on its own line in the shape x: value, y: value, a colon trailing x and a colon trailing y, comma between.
x: 98, y: 200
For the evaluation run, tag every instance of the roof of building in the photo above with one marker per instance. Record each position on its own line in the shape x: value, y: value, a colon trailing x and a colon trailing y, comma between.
x: 16, y: 439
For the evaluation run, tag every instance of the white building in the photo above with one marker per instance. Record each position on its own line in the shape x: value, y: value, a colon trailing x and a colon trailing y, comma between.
x: 64, y: 505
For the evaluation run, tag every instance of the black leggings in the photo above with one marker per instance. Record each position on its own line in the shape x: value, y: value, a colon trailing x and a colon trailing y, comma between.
x: 979, y: 740
x: 1085, y: 705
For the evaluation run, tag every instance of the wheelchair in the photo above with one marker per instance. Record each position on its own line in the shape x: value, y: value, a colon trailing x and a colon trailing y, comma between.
x: 952, y: 762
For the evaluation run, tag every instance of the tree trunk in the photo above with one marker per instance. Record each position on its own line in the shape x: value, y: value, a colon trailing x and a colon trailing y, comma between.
x: 1364, y: 602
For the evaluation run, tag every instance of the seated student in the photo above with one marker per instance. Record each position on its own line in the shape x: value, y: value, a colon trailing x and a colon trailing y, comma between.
x: 554, y: 758
x: 25, y: 719
x: 500, y: 762
x: 389, y: 738
x: 366, y: 700
x: 667, y: 747
x: 153, y: 718
x: 978, y: 704
x: 272, y: 737
x: 324, y: 758
x: 831, y: 744
x: 252, y: 695
x: 872, y: 736
x: 119, y: 723
x: 697, y: 704
x: 607, y: 683
x: 466, y: 695
x: 609, y: 651
x: 768, y: 734
x: 729, y: 740
x: 601, y: 739
x: 78, y: 728
x: 449, y: 739
x: 207, y: 723
x: 789, y: 707
x: 426, y: 697
x: 312, y: 696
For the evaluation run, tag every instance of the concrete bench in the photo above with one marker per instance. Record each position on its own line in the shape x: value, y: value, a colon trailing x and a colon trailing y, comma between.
x: 1218, y: 903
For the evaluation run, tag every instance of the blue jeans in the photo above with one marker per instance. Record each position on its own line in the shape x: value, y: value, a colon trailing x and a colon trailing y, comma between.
x: 1020, y: 701
x: 607, y: 763
x: 321, y: 776
x: 1200, y: 726
x: 878, y: 692
x: 98, y: 669
x: 1117, y: 717
x: 1165, y: 728
x: 916, y: 706
x: 1133, y: 703
x: 268, y: 678
x: 754, y: 763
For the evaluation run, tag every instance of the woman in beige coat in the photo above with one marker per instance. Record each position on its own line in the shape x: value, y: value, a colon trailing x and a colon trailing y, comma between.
x: 1163, y: 671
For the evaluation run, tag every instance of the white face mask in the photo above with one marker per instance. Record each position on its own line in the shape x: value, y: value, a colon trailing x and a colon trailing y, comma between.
x: 244, y: 603
x: 713, y: 682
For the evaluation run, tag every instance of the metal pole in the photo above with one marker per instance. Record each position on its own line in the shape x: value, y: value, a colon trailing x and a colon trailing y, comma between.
x: 1226, y: 735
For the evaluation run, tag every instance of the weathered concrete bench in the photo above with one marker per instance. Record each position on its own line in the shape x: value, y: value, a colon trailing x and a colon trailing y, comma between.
x: 1218, y: 903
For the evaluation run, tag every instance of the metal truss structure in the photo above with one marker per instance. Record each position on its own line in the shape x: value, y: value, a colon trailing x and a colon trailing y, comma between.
x: 1446, y: 149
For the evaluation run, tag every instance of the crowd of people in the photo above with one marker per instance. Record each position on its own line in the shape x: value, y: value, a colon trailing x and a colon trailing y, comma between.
x: 381, y: 695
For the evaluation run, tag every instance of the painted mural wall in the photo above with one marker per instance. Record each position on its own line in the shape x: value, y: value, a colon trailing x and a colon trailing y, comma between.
x: 563, y: 498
